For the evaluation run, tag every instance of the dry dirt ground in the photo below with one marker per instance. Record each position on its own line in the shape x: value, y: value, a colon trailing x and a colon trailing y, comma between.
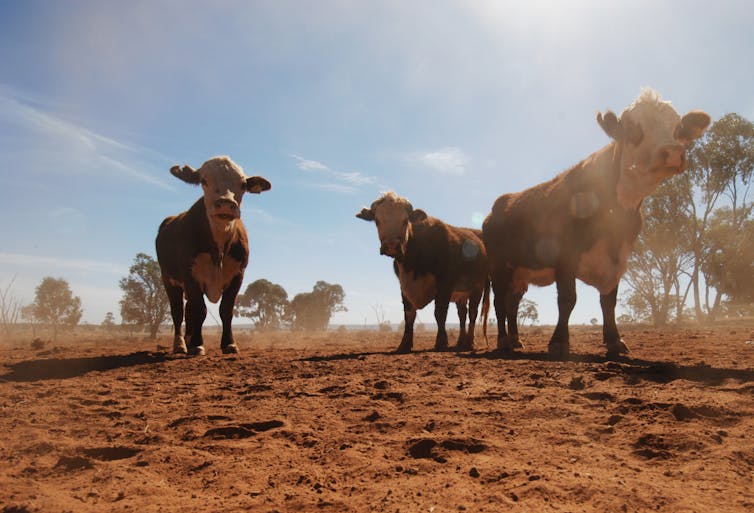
x: 334, y: 422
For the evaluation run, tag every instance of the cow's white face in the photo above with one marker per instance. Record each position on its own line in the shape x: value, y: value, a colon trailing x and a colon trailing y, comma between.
x: 393, y: 216
x: 653, y: 139
x: 223, y: 183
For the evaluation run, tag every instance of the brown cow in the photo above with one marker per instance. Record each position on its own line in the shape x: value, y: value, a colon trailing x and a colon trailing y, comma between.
x: 582, y: 223
x: 204, y: 251
x: 433, y: 261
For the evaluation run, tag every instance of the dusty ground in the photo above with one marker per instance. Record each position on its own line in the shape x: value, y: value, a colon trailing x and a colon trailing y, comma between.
x: 335, y: 423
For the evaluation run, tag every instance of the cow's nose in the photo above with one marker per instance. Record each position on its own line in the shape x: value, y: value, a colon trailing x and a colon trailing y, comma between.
x: 673, y: 155
x: 226, y: 202
x: 390, y: 248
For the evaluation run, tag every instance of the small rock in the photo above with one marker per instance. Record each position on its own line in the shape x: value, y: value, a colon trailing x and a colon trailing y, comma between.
x: 474, y: 473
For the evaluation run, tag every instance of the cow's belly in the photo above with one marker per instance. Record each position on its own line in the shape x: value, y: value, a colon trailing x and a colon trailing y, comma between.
x: 601, y: 270
x: 523, y: 276
x: 419, y: 290
x: 214, y: 278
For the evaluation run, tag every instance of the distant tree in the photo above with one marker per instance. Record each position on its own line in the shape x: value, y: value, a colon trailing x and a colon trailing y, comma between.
x: 661, y: 255
x: 312, y: 310
x: 144, y: 301
x: 264, y: 303
x: 720, y: 169
x: 383, y: 325
x: 109, y: 321
x: 527, y: 311
x: 10, y: 308
x: 729, y: 264
x: 55, y: 305
x: 625, y: 319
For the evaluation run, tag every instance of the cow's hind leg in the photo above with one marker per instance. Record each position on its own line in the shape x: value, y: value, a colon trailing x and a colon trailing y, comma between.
x: 559, y: 347
x: 506, y: 307
x: 615, y: 346
x: 227, y: 344
x: 462, y: 311
x: 175, y: 297
x: 409, y: 317
x: 474, y: 301
x: 512, y: 300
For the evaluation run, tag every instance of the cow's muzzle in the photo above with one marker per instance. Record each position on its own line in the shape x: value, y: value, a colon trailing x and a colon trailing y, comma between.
x: 226, y: 209
x: 672, y: 156
x: 391, y: 248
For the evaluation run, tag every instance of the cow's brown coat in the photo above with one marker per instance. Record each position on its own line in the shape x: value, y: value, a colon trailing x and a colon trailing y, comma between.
x: 582, y: 223
x: 436, y: 262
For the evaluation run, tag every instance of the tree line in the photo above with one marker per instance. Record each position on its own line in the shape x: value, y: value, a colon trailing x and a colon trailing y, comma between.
x: 694, y: 258
x: 145, y: 306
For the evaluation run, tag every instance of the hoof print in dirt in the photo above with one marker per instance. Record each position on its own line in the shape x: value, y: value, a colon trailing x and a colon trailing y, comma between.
x: 428, y: 448
x: 71, y: 463
x: 246, y: 430
x: 111, y: 453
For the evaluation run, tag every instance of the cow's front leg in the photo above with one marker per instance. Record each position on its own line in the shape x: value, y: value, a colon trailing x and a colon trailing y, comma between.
x: 228, y: 301
x: 196, y: 312
x: 442, y: 300
x: 610, y: 335
x: 462, y: 311
x: 559, y: 347
x: 175, y: 297
x: 409, y: 317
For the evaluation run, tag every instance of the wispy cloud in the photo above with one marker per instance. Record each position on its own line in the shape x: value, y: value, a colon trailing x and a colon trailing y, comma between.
x: 45, y: 262
x: 60, y: 140
x: 348, y: 181
x: 448, y: 160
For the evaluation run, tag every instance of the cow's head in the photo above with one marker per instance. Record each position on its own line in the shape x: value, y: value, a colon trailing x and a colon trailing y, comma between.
x: 393, y: 216
x: 223, y: 182
x: 652, y: 140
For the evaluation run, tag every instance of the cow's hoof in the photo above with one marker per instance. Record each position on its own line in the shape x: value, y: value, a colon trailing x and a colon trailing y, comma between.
x: 230, y: 349
x: 403, y: 349
x: 614, y: 351
x: 506, y: 345
x: 179, y: 346
x: 558, y: 352
x: 196, y: 351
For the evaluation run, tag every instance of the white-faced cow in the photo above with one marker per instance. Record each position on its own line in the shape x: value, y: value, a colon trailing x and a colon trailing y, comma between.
x: 582, y: 223
x: 204, y: 251
x: 433, y: 261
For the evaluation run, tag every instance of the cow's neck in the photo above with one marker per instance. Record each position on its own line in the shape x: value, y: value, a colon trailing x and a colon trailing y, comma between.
x: 222, y: 231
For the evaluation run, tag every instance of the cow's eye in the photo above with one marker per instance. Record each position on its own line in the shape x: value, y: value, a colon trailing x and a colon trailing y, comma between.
x: 203, y: 181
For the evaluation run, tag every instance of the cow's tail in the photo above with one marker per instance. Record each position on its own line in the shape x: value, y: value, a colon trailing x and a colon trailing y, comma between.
x: 486, y: 309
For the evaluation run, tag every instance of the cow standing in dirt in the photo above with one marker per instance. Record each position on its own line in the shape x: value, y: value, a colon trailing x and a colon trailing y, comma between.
x: 434, y: 262
x: 582, y: 223
x: 204, y: 251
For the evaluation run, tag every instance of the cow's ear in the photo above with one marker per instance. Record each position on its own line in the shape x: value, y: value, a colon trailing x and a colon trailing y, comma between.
x: 692, y: 126
x: 610, y: 124
x: 187, y: 174
x: 257, y: 184
x: 366, y: 214
x: 417, y: 216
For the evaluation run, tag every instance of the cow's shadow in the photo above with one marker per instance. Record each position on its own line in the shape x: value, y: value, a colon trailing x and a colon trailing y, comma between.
x: 633, y: 368
x: 66, y: 368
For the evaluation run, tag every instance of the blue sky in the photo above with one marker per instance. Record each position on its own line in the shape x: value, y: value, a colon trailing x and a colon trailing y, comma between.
x: 450, y: 103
